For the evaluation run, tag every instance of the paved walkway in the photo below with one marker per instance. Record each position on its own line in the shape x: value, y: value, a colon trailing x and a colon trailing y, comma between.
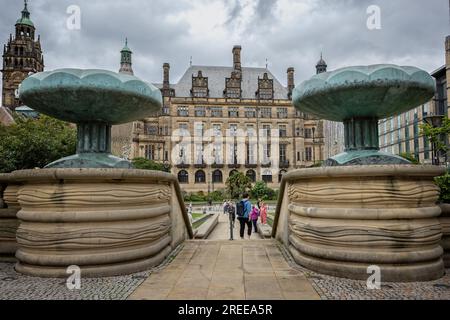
x: 227, y: 270
x: 222, y: 230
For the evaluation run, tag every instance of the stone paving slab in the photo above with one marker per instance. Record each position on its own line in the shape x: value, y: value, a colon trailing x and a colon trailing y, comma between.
x: 230, y: 270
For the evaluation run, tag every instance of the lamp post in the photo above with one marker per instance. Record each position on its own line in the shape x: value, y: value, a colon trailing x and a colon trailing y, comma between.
x: 435, y: 121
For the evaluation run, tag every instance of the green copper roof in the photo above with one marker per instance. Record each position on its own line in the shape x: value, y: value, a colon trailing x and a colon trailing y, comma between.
x: 25, y: 19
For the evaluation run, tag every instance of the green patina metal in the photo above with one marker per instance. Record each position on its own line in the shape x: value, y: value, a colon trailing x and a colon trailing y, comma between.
x: 360, y: 96
x: 94, y: 100
x: 25, y: 19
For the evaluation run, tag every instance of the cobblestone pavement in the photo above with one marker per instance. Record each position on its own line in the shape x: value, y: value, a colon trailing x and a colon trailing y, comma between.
x: 332, y: 288
x: 14, y: 286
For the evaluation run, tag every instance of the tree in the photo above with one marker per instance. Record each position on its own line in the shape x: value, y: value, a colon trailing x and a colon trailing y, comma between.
x: 262, y: 191
x: 30, y: 143
x: 237, y: 184
x: 435, y: 135
x: 145, y: 164
x: 444, y: 183
x: 410, y: 157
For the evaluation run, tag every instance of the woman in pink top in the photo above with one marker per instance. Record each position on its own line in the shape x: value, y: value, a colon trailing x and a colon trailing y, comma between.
x: 254, y: 215
x: 263, y: 212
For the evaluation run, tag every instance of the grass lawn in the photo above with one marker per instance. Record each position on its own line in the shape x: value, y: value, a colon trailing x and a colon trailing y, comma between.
x: 196, y: 216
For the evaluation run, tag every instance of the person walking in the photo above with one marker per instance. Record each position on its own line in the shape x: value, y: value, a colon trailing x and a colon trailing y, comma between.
x: 263, y: 212
x: 225, y: 206
x: 254, y: 216
x: 243, y: 210
x: 232, y: 218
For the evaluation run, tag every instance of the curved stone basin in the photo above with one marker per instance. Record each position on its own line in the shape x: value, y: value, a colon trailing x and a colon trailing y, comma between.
x: 341, y: 220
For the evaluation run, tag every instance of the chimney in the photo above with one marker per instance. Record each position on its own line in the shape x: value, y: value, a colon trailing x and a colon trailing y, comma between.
x: 290, y: 81
x: 166, y: 74
x: 237, y: 58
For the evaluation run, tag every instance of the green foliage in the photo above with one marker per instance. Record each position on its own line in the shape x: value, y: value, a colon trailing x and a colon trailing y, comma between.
x: 145, y: 164
x: 263, y: 192
x: 216, y: 196
x: 444, y: 183
x: 436, y: 134
x: 410, y: 157
x: 30, y: 144
x: 237, y: 184
x: 317, y: 164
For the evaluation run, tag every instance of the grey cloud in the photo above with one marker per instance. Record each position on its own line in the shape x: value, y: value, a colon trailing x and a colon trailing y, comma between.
x: 413, y: 33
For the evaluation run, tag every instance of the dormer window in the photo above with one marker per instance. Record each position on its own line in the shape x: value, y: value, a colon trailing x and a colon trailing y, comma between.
x: 265, y: 88
x: 199, y: 86
x: 233, y: 86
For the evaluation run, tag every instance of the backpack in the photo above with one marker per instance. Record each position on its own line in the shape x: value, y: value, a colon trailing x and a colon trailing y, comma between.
x: 240, y: 209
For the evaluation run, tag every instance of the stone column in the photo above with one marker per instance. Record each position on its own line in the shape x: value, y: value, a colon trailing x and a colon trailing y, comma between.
x: 9, y: 223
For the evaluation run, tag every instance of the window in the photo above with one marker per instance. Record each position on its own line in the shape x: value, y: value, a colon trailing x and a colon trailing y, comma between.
x: 151, y: 129
x: 308, y: 154
x: 282, y: 130
x: 266, y: 130
x: 250, y: 130
x: 200, y: 111
x: 199, y: 154
x: 308, y: 134
x: 266, y: 153
x: 183, y: 111
x: 183, y: 177
x: 283, y: 158
x: 250, y: 112
x: 266, y: 113
x: 217, y: 130
x: 200, y: 92
x: 251, y: 174
x: 150, y: 152
x: 183, y: 128
x: 251, y: 154
x: 217, y: 153
x: 233, y: 130
x: 217, y: 176
x: 200, y: 177
x: 282, y: 113
x: 199, y: 129
x: 233, y: 93
x: 233, y: 112
x: 267, y: 176
x: 216, y: 112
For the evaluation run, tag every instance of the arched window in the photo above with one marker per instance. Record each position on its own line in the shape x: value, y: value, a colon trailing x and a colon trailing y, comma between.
x: 183, y: 176
x: 252, y: 175
x: 267, y: 176
x: 200, y: 177
x: 281, y: 174
x: 233, y: 172
x: 217, y: 176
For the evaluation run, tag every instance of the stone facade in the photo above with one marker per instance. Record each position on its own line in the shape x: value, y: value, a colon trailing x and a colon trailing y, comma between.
x: 339, y: 221
x: 108, y: 222
x: 22, y: 56
x: 223, y: 100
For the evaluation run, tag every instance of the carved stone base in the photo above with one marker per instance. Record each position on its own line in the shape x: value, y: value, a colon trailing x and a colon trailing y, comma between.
x: 339, y: 221
x: 8, y: 219
x: 106, y: 221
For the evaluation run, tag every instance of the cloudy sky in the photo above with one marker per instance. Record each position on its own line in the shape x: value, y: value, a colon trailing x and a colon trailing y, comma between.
x: 286, y: 32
